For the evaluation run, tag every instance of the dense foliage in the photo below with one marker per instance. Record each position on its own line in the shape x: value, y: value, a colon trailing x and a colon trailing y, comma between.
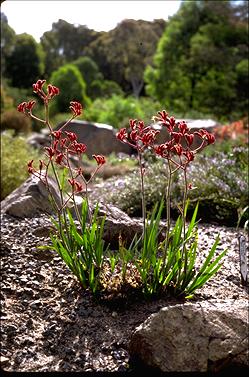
x: 25, y: 63
x: 222, y: 191
x: 14, y: 156
x: 68, y: 78
x: 202, y: 60
x: 195, y: 63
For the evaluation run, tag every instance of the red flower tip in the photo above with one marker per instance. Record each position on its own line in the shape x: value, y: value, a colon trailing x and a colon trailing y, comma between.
x: 205, y: 135
x: 141, y: 125
x: 122, y: 134
x: 134, y: 135
x: 57, y: 134
x: 79, y: 147
x: 149, y: 137
x: 76, y: 108
x: 37, y: 87
x: 30, y: 166
x: 71, y: 136
x: 210, y: 138
x: 176, y: 136
x: 22, y: 107
x: 189, y: 155
x: 53, y: 91
x: 163, y: 116
x: 76, y: 186
x: 51, y: 152
x: 59, y: 158
x: 183, y: 128
x: 178, y: 149
x: 189, y: 138
x: 100, y: 159
x: 133, y: 124
x: 160, y: 149
x: 30, y: 105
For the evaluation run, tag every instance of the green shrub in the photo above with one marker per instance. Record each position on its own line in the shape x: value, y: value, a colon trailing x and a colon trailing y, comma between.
x: 6, y: 101
x: 15, y: 153
x: 12, y: 120
x: 72, y: 88
x: 222, y: 192
x: 114, y: 110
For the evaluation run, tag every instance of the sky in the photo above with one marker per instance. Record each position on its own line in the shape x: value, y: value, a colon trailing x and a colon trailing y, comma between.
x: 36, y: 17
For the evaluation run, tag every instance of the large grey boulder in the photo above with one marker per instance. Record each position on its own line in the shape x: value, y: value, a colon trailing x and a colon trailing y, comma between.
x: 31, y: 198
x: 194, y: 337
x: 99, y: 138
x: 119, y: 224
x: 193, y: 124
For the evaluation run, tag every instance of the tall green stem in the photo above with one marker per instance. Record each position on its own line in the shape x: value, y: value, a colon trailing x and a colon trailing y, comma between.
x: 142, y: 191
x: 184, y: 210
x: 168, y: 192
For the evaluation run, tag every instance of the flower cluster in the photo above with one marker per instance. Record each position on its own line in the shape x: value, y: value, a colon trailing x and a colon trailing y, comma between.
x: 63, y: 143
x: 59, y: 152
x: 51, y: 92
x: 180, y: 140
x: 138, y: 136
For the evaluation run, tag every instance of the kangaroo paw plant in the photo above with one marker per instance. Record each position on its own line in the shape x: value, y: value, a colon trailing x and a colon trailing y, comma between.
x: 163, y: 260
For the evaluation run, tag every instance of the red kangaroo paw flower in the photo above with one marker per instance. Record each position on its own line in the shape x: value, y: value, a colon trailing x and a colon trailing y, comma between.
x: 210, y: 138
x: 178, y: 149
x: 30, y: 167
x: 189, y: 155
x: 53, y: 91
x: 57, y: 134
x: 76, y: 108
x: 71, y: 136
x: 133, y: 124
x: 100, y: 159
x: 176, y: 136
x: 122, y: 134
x: 134, y: 135
x: 51, y: 152
x: 22, y: 107
x: 189, y: 138
x: 183, y: 128
x: 59, y: 158
x: 37, y: 87
x: 30, y: 105
x: 79, y: 147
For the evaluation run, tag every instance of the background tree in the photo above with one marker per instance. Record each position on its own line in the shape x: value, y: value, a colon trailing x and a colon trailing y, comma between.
x: 25, y: 64
x: 8, y: 37
x: 195, y: 63
x: 65, y: 43
x: 123, y: 53
x: 72, y: 88
x: 89, y: 71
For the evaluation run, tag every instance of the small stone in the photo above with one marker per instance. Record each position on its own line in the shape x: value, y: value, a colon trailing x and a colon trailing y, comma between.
x: 4, y: 360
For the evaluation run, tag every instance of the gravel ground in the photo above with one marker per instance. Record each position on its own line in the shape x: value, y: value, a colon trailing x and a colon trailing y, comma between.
x: 50, y: 324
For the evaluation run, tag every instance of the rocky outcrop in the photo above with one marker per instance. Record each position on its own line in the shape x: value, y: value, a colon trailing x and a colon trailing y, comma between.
x: 194, y: 125
x: 30, y: 199
x: 194, y: 337
x: 99, y: 138
x: 118, y: 224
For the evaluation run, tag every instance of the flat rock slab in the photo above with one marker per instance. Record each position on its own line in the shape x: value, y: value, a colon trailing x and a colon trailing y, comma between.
x: 194, y: 337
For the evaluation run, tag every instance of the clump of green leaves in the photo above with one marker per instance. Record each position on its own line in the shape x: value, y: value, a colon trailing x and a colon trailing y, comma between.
x: 14, y: 155
x: 161, y: 258
x: 82, y: 248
